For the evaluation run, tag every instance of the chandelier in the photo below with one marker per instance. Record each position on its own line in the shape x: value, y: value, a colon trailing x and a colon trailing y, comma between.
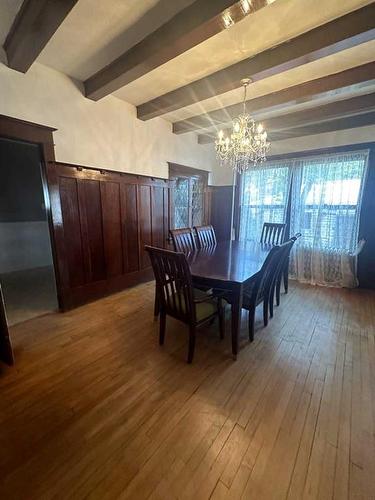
x: 247, y: 145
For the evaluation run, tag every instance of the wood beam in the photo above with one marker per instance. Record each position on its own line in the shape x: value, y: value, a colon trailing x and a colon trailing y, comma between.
x: 317, y: 115
x: 305, y: 92
x: 348, y: 122
x: 189, y: 27
x: 342, y: 33
x: 32, y: 28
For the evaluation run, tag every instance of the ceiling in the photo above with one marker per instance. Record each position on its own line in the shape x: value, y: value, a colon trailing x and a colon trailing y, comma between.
x: 94, y: 34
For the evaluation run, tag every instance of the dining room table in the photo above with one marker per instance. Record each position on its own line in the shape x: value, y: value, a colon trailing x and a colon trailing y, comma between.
x: 229, y: 266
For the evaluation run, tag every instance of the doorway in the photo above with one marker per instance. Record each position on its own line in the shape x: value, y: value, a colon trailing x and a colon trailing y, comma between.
x: 26, y: 265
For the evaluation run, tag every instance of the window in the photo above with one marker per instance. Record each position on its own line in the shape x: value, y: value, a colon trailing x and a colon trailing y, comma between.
x: 189, y: 193
x: 264, y: 197
x: 324, y: 195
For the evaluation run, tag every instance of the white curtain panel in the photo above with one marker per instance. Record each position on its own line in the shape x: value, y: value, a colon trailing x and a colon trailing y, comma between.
x: 326, y: 194
x: 326, y: 200
x: 264, y: 197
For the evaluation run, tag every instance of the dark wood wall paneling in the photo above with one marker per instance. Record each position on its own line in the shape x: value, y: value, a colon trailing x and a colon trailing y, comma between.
x: 102, y: 221
x: 221, y: 211
x: 366, y: 260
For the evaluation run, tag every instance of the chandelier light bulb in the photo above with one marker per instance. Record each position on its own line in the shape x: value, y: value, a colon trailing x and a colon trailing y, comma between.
x: 220, y: 135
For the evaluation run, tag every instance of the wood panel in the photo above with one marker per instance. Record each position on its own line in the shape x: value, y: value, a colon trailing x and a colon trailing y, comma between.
x: 112, y: 225
x: 72, y: 230
x: 106, y: 220
x: 91, y: 229
x: 130, y: 232
x: 157, y: 216
x: 221, y: 211
x: 145, y: 225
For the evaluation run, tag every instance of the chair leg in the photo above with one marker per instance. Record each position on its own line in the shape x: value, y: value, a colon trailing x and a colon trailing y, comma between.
x: 221, y: 311
x: 163, y: 318
x: 156, y: 305
x: 278, y: 286
x: 271, y: 299
x: 286, y: 278
x: 191, y: 343
x: 251, y: 323
x: 265, y: 311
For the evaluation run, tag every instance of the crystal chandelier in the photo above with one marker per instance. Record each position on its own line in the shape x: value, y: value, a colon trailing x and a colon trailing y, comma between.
x: 247, y: 145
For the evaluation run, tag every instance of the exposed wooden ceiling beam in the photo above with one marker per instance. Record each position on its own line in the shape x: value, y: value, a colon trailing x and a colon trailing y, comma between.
x: 348, y: 122
x: 189, y: 27
x: 32, y: 28
x: 305, y: 92
x: 317, y: 115
x: 342, y: 33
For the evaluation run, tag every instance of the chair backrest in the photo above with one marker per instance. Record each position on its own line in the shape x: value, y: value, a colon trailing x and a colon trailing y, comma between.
x: 296, y: 236
x: 272, y: 233
x: 205, y: 235
x: 173, y: 282
x: 267, y: 273
x: 183, y: 240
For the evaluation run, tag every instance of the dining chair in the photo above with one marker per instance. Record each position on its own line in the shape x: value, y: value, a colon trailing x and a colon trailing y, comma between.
x: 279, y: 273
x: 272, y: 233
x: 183, y: 240
x: 206, y: 236
x: 259, y: 288
x: 178, y: 298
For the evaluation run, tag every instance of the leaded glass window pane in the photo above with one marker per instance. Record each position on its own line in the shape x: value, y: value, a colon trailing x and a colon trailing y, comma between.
x: 181, y: 203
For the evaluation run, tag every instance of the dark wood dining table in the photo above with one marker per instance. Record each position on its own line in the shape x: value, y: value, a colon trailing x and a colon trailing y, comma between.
x: 229, y: 265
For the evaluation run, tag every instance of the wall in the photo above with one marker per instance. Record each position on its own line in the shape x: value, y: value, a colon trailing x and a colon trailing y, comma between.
x: 24, y: 245
x: 104, y: 134
x: 102, y: 222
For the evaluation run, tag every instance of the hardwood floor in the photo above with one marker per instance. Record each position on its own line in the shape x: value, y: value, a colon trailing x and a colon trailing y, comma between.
x: 95, y: 409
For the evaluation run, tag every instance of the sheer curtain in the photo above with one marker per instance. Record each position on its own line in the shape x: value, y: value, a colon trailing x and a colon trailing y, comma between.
x: 325, y: 207
x: 263, y: 197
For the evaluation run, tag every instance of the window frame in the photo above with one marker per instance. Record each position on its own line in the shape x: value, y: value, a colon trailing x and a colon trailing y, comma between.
x: 177, y: 171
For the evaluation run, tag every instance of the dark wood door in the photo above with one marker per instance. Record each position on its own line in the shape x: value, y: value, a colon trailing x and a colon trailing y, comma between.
x: 102, y: 221
x: 6, y: 351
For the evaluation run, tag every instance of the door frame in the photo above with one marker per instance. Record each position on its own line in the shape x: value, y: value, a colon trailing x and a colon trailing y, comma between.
x: 41, y: 135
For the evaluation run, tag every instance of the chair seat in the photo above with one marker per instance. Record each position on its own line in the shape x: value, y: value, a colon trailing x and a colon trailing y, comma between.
x: 203, y: 309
